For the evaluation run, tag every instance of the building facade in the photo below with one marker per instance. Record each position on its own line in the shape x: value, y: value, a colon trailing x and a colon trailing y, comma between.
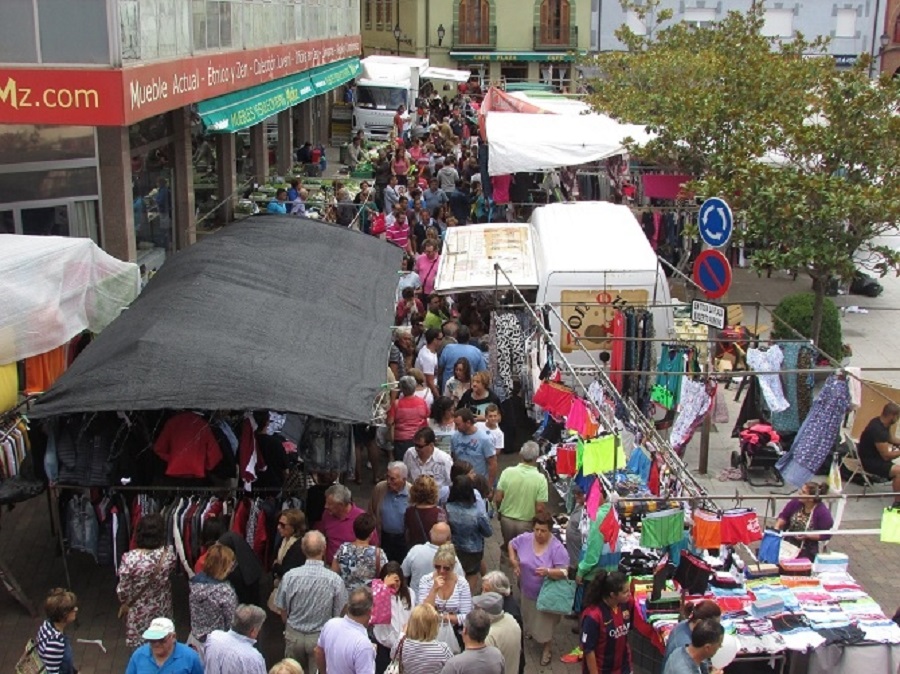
x: 499, y: 40
x: 118, y: 117
x: 890, y: 39
x: 853, y: 26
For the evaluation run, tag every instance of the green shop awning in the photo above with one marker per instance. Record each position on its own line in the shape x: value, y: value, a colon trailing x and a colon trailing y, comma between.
x: 241, y: 109
x: 326, y: 78
x: 512, y: 56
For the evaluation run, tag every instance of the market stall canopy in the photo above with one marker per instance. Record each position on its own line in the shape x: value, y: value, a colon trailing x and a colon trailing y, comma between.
x: 467, y: 264
x: 523, y: 142
x: 448, y: 74
x: 53, y: 288
x: 260, y: 315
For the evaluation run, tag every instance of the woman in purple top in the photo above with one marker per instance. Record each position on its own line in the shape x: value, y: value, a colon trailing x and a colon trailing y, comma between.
x: 535, y: 556
x: 806, y: 513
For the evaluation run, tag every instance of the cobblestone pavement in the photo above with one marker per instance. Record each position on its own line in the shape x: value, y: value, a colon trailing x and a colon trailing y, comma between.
x: 29, y: 549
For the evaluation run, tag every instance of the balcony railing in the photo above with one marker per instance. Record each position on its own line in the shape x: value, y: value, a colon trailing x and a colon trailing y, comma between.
x: 472, y: 37
x: 546, y: 39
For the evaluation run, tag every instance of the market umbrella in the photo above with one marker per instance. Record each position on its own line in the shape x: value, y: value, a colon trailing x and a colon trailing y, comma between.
x: 277, y: 313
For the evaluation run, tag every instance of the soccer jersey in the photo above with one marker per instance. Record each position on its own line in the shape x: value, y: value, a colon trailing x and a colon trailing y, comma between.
x: 604, y: 635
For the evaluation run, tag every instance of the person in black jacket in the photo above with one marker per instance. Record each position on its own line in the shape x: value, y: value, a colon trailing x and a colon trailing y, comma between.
x: 248, y: 571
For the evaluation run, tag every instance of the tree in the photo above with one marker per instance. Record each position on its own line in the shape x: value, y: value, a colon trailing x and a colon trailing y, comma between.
x: 806, y: 155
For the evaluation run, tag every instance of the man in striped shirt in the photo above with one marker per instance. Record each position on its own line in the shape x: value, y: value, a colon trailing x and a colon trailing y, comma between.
x: 397, y: 233
x: 234, y: 651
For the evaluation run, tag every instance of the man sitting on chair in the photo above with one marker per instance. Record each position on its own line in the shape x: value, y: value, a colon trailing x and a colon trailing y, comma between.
x: 878, y: 447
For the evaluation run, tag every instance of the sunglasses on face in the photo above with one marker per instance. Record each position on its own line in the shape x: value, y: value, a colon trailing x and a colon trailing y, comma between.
x: 441, y: 567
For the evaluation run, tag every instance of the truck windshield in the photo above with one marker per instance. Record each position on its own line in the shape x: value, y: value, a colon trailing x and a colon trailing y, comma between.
x: 381, y: 98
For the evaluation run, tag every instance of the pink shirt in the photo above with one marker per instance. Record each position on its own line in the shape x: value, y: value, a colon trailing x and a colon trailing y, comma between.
x: 341, y: 531
x: 398, y: 234
x: 500, y: 186
x: 427, y: 271
x: 409, y: 415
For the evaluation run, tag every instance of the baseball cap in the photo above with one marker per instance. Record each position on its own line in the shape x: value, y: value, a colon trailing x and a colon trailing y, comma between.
x: 491, y: 602
x: 160, y: 628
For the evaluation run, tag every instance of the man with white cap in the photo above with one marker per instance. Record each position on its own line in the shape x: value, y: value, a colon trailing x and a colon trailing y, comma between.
x: 505, y: 634
x: 163, y: 653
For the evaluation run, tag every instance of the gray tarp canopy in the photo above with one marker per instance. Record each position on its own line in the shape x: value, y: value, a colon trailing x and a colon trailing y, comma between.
x: 274, y: 313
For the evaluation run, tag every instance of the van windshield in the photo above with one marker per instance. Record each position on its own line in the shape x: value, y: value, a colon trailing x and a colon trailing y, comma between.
x: 380, y: 98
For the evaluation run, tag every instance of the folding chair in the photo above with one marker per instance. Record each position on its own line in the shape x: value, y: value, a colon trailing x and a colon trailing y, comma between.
x: 854, y: 466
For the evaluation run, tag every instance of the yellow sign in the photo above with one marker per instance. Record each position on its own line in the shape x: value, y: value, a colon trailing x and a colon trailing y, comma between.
x: 590, y: 313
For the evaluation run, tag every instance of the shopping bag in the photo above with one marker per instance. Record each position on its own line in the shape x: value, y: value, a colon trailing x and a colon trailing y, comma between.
x: 381, y: 602
x: 30, y: 662
x: 396, y: 666
x: 769, y: 548
x: 890, y: 525
x: 556, y: 596
x: 447, y: 634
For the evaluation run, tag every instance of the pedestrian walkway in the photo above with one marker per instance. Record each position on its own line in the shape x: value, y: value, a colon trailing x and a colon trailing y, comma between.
x: 29, y: 548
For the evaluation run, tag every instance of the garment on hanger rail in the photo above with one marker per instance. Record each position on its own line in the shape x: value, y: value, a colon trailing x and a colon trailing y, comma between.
x: 770, y: 384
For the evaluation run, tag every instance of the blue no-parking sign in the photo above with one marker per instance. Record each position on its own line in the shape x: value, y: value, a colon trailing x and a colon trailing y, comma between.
x: 716, y: 222
x: 712, y: 272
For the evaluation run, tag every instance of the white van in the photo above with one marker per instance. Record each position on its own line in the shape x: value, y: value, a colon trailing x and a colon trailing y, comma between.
x: 585, y: 258
x: 592, y: 257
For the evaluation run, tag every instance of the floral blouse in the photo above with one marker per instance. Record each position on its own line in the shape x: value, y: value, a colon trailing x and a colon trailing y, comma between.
x: 357, y: 564
x: 145, y: 585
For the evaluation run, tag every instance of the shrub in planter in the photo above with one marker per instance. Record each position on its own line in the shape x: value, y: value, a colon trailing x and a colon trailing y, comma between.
x: 797, y: 311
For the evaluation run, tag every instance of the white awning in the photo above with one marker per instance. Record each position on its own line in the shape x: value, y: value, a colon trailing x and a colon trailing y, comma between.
x: 467, y: 263
x: 447, y: 74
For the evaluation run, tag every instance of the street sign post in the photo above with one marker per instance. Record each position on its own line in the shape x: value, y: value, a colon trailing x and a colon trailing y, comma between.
x: 708, y: 313
x: 712, y: 272
x: 716, y: 222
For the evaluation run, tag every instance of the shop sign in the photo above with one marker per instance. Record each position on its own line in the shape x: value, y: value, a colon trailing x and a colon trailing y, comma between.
x: 233, y: 112
x: 118, y: 97
x: 72, y: 97
x: 157, y: 88
x: 590, y: 313
x: 845, y: 60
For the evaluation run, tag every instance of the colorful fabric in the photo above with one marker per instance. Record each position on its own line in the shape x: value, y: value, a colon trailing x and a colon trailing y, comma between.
x: 9, y: 386
x: 740, y: 525
x: 602, y: 455
x: 707, y: 530
x: 662, y: 528
x: 817, y: 433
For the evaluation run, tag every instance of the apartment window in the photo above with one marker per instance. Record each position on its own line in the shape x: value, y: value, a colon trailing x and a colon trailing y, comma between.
x: 474, y: 21
x: 637, y: 24
x: 700, y: 17
x: 555, y: 21
x: 846, y: 23
x: 778, y: 23
x: 367, y: 12
x: 389, y: 14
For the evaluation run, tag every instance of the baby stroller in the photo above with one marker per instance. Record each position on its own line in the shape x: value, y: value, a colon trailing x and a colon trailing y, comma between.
x: 760, y: 451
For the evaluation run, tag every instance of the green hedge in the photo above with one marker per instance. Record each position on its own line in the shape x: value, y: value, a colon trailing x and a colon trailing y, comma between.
x: 797, y: 311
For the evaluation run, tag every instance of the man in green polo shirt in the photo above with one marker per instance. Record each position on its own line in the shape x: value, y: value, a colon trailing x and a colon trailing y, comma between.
x: 521, y: 493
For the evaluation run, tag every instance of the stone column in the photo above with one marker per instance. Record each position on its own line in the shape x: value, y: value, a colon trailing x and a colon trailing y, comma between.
x: 226, y: 174
x: 259, y: 152
x: 285, y: 152
x: 116, y: 201
x: 185, y: 219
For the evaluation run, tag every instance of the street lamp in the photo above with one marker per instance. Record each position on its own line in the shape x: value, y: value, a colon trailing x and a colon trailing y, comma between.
x: 397, y: 34
x: 441, y: 33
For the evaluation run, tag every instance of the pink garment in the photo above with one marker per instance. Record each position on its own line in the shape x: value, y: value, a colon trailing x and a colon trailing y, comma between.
x: 500, y: 186
x: 594, y: 500
x: 580, y: 420
x: 427, y: 271
x: 663, y: 186
x: 339, y: 531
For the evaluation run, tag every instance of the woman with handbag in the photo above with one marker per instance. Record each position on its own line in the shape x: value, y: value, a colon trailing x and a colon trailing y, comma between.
x: 448, y: 593
x: 145, y: 586
x: 53, y: 647
x: 423, y: 511
x: 358, y: 562
x: 804, y: 513
x: 537, y: 557
x: 419, y: 651
x: 212, y: 599
x: 387, y: 636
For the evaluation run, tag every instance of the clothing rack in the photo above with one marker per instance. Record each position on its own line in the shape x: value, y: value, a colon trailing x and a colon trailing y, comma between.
x: 673, y: 463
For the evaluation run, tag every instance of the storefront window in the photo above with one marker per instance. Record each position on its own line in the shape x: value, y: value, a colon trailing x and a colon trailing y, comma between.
x: 46, y: 221
x: 23, y: 143
x: 62, y: 20
x: 151, y: 176
x: 17, y: 36
x: 49, y: 184
x: 7, y: 222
